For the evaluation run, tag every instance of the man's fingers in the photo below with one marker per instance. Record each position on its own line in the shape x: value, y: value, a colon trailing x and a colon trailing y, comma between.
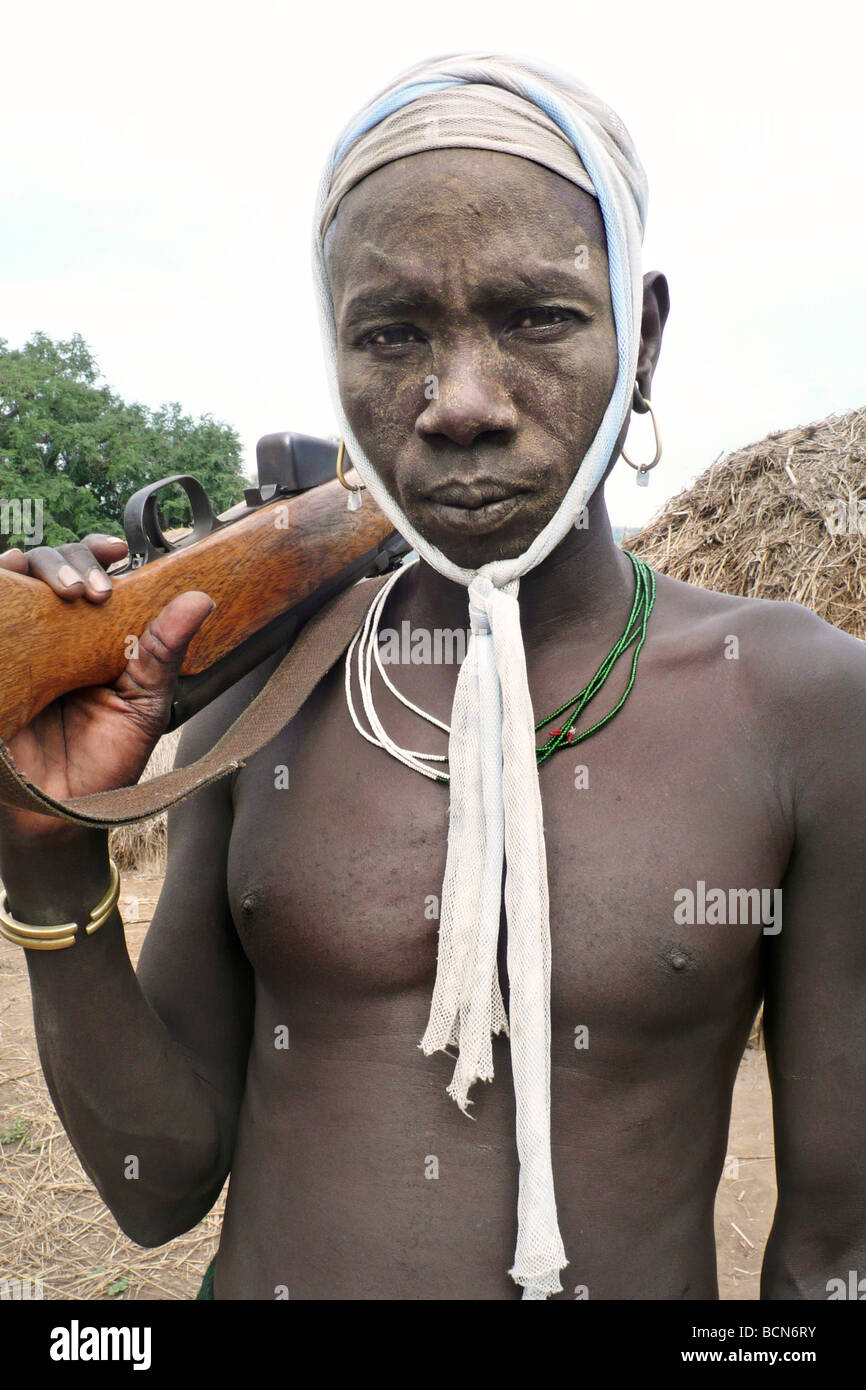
x: 49, y: 565
x: 14, y: 560
x: 107, y: 549
x: 157, y: 656
x: 70, y: 570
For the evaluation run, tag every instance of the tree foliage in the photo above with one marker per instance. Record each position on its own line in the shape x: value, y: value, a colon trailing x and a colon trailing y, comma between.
x: 68, y: 440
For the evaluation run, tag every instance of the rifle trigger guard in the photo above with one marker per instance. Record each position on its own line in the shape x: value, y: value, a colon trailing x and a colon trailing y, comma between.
x: 144, y: 535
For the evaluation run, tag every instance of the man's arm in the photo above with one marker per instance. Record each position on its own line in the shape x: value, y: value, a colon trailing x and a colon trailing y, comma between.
x: 147, y: 1072
x: 815, y: 1004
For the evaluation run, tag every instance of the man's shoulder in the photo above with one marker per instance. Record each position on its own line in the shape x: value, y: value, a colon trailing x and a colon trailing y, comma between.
x: 205, y: 728
x: 790, y: 658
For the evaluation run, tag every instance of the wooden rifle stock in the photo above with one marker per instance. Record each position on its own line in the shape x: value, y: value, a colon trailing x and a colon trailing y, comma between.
x: 267, y: 572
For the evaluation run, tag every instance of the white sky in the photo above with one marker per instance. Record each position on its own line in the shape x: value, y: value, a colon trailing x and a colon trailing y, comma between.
x: 160, y: 165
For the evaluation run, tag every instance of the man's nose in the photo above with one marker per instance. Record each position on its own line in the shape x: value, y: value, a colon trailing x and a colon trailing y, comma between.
x: 466, y: 399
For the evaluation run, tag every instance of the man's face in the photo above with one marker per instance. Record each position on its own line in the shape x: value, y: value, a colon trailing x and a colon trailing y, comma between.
x: 476, y: 341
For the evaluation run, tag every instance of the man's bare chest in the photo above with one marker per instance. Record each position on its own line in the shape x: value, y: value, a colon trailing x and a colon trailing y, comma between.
x: 338, y: 854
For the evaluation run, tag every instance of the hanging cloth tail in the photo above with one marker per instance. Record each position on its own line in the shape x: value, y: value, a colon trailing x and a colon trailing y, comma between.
x: 467, y: 1006
x: 493, y: 815
x: 540, y: 1254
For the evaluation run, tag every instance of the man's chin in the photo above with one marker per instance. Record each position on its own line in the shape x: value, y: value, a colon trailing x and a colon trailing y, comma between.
x: 472, y: 552
x: 479, y: 537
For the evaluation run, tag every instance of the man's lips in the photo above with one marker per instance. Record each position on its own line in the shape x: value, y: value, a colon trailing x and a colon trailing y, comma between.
x: 473, y: 496
x: 475, y: 508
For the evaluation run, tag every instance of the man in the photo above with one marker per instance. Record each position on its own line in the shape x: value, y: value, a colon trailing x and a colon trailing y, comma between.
x: 286, y: 980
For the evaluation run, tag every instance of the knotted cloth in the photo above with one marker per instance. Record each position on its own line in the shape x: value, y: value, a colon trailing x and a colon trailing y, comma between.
x: 488, y: 102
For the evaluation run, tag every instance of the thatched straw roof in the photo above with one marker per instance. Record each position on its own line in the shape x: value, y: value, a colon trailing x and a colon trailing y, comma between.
x: 780, y: 519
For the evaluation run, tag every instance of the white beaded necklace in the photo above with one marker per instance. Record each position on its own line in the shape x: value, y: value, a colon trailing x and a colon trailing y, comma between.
x: 366, y: 643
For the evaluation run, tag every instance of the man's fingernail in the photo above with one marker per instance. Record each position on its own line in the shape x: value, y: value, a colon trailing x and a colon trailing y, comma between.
x: 67, y: 576
x: 97, y: 580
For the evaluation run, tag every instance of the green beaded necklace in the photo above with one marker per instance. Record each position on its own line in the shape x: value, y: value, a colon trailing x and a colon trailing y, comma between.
x: 564, y: 735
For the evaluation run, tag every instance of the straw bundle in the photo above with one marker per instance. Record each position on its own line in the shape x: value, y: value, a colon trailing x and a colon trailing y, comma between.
x: 781, y: 519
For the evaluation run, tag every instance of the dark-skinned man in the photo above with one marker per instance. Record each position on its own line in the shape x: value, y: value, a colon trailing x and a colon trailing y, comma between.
x: 486, y: 352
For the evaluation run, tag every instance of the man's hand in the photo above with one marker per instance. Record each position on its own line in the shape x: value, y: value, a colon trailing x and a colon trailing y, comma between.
x: 101, y: 737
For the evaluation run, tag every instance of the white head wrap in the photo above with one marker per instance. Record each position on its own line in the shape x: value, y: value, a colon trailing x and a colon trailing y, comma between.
x: 487, y: 102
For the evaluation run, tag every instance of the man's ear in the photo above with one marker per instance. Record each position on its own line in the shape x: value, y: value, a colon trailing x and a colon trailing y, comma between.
x: 656, y: 307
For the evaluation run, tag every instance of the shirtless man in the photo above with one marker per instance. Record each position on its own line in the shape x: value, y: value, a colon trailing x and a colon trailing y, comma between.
x: 306, y: 908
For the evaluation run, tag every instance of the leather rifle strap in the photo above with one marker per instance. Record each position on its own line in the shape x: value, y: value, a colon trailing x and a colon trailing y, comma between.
x: 317, y: 647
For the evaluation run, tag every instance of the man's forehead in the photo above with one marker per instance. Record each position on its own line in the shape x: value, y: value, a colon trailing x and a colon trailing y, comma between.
x: 483, y: 205
x: 379, y: 280
x: 445, y: 177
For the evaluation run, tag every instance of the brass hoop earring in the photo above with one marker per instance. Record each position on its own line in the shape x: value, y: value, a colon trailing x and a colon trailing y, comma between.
x: 350, y: 487
x: 643, y: 468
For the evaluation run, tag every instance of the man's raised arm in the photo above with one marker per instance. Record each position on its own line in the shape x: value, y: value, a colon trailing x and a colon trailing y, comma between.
x: 146, y: 1078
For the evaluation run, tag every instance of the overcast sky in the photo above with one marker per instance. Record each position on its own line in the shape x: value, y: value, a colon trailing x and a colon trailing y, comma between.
x: 160, y: 165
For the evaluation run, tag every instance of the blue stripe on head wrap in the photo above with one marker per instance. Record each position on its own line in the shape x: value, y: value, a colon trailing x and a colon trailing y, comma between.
x: 394, y: 101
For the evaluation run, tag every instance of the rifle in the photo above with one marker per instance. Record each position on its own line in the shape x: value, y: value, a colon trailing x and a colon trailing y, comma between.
x: 269, y: 564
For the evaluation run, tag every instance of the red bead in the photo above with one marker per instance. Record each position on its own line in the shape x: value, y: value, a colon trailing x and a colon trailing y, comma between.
x: 571, y: 736
x: 556, y: 733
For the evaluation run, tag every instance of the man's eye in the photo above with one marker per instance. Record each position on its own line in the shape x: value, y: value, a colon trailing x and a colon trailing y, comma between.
x: 540, y: 318
x: 395, y: 335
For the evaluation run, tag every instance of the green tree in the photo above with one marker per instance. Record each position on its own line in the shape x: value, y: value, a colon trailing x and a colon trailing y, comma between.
x: 72, y: 445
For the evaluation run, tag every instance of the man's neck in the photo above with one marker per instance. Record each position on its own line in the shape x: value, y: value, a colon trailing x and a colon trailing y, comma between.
x: 587, y: 582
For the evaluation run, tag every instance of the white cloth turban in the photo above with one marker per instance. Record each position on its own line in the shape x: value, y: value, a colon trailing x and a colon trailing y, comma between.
x: 486, y: 102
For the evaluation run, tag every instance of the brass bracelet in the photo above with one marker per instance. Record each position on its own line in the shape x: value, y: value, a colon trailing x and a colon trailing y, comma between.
x: 57, y: 937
